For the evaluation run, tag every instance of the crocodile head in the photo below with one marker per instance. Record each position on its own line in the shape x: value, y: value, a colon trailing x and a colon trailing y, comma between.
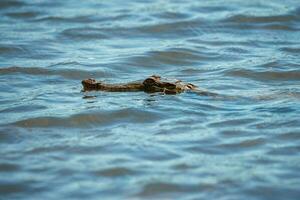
x: 151, y: 84
x: 155, y: 84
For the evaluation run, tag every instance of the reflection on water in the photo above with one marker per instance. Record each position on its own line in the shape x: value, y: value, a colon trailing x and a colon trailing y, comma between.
x: 58, y: 142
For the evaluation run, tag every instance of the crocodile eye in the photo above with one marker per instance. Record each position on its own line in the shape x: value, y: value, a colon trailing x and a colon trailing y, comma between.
x: 150, y: 82
x: 170, y: 86
x: 89, y: 81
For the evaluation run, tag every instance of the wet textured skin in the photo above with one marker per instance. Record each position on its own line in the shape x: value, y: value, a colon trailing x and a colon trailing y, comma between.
x: 151, y: 84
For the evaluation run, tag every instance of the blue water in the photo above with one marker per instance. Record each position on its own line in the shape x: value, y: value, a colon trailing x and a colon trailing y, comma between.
x: 55, y: 143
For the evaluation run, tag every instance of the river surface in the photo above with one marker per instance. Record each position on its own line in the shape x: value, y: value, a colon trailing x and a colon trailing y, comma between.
x: 57, y: 142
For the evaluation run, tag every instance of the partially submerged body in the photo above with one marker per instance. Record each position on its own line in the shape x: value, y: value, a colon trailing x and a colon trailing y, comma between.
x: 150, y: 85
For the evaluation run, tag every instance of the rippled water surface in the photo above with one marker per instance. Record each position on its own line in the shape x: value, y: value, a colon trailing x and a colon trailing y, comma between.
x: 56, y: 142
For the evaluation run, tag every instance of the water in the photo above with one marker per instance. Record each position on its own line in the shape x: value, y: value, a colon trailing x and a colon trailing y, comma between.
x: 57, y: 144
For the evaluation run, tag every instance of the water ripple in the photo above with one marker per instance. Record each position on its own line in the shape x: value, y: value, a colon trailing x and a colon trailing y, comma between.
x: 90, y: 119
x: 66, y: 73
x: 11, y: 3
x: 114, y: 172
x: 23, y: 15
x: 87, y: 33
x: 293, y: 75
x: 262, y: 19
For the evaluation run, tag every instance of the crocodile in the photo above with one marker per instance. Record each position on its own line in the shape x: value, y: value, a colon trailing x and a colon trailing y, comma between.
x: 151, y: 84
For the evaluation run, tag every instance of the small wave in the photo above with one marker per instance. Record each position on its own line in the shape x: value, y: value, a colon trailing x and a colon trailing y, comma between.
x: 211, y: 9
x: 279, y: 27
x: 293, y: 50
x: 9, y: 167
x: 91, y: 119
x: 84, y: 33
x: 279, y: 23
x: 114, y: 172
x: 183, y: 28
x: 261, y: 19
x: 233, y: 122
x: 172, y: 57
x: 293, y: 75
x: 277, y: 109
x: 23, y: 108
x: 66, y: 73
x: 10, y: 3
x: 249, y: 143
x: 289, y: 136
x: 82, y: 18
x: 13, y: 188
x: 172, y: 15
x: 32, y: 51
x: 191, y: 71
x: 57, y: 19
x: 176, y: 29
x: 157, y: 189
x: 23, y: 15
x: 288, y: 150
x: 277, y: 125
x: 9, y: 135
x: 11, y: 50
x: 236, y: 50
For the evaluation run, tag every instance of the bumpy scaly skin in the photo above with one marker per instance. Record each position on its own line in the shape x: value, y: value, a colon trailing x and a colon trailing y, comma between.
x: 151, y: 84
